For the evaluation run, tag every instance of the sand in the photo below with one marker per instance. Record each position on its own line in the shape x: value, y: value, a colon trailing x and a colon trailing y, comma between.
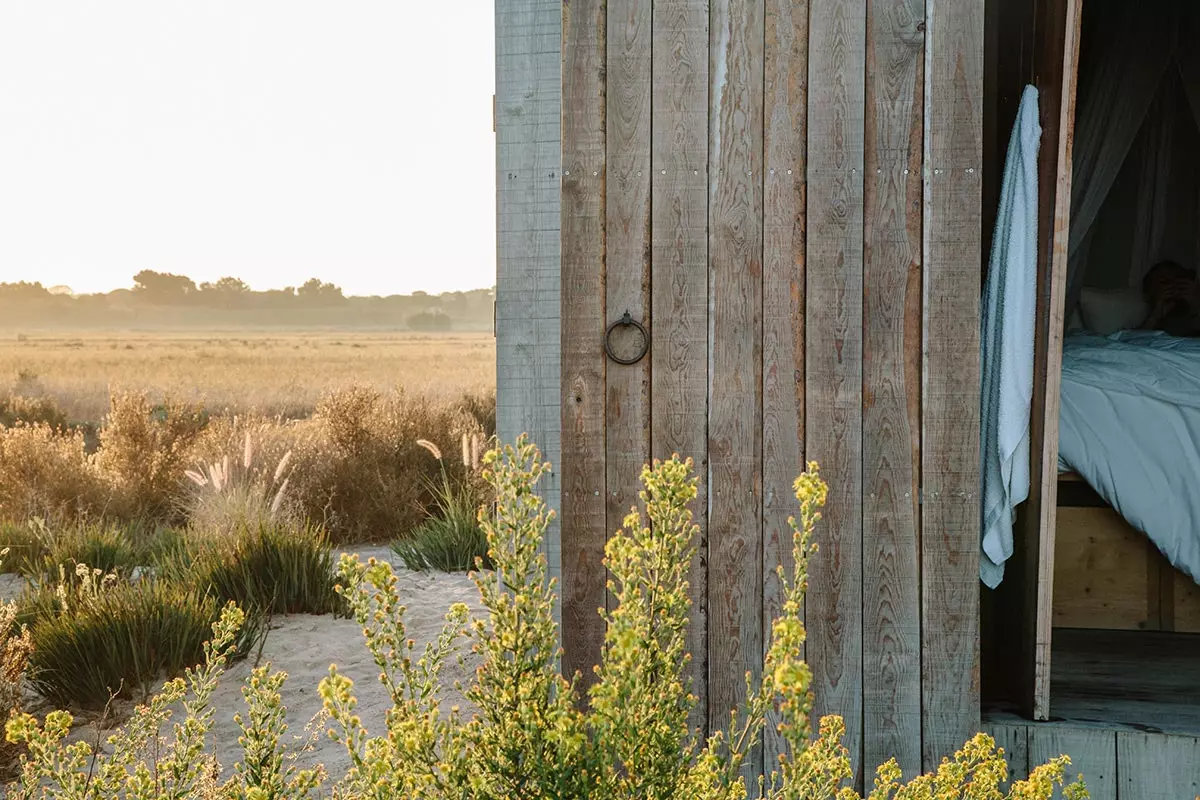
x: 304, y: 646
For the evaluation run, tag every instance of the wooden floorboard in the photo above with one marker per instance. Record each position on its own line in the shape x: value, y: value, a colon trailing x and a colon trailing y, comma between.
x: 1158, y: 767
x: 1093, y: 755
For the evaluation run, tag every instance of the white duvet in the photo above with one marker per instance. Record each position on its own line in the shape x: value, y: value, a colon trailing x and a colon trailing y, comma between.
x: 1130, y: 426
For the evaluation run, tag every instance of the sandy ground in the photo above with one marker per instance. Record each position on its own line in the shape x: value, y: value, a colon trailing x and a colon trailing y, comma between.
x: 304, y: 646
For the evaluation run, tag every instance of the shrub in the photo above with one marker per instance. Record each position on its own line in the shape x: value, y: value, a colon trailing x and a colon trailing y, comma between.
x: 144, y: 450
x: 103, y: 636
x: 19, y: 409
x: 451, y: 540
x: 531, y: 737
x: 364, y: 475
x: 46, y: 473
x: 266, y: 567
x: 15, y: 645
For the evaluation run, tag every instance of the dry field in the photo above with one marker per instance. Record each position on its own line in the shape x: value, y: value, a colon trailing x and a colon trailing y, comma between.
x: 269, y: 373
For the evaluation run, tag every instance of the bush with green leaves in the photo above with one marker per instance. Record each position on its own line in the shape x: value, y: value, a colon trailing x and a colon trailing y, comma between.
x: 532, y: 736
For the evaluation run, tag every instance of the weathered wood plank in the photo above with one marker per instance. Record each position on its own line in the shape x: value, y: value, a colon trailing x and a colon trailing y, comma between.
x: 528, y: 264
x: 735, y: 381
x: 1093, y: 754
x: 1156, y: 767
x: 679, y: 244
x: 833, y: 385
x: 583, y: 221
x: 627, y: 246
x: 1013, y: 739
x: 892, y: 383
x: 1056, y: 55
x: 950, y: 395
x: 784, y: 218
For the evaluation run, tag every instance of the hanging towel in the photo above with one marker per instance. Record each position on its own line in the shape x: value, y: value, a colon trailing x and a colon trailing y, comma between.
x: 1006, y: 343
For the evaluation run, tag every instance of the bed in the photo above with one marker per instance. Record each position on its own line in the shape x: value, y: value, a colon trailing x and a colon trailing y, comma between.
x: 1129, y: 428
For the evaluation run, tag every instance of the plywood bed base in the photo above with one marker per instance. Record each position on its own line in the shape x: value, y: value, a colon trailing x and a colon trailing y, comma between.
x: 1108, y: 575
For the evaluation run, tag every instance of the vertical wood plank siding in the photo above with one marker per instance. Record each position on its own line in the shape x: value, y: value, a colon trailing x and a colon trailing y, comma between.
x: 528, y: 256
x: 679, y: 270
x: 950, y: 383
x: 892, y: 383
x: 786, y: 193
x: 784, y: 145
x: 627, y: 242
x: 735, y: 213
x: 834, y: 331
x: 584, y: 523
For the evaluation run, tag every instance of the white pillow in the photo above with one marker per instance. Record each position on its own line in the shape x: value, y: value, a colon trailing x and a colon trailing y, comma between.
x: 1106, y: 311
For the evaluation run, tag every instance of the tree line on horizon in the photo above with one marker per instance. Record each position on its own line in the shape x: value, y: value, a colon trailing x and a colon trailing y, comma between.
x: 166, y: 299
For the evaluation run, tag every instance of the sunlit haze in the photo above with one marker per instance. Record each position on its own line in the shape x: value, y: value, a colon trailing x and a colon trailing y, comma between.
x: 271, y: 140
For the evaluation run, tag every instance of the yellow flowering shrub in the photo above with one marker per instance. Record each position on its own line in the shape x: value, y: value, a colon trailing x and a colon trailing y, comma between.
x: 534, y: 736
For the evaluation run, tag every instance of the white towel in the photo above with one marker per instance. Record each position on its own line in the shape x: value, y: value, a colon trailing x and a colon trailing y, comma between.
x: 1006, y: 343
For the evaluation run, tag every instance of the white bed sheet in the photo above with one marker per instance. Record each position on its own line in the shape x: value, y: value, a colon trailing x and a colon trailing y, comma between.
x: 1130, y: 426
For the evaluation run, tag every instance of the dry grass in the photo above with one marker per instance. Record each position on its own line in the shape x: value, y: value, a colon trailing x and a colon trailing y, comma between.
x: 254, y: 373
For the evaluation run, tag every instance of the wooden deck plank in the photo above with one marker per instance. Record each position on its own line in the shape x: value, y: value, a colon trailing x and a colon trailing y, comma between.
x: 735, y: 380
x: 1093, y: 754
x: 1156, y: 767
x: 679, y: 245
x: 784, y: 219
x: 833, y: 361
x: 583, y: 220
x: 950, y: 396
x: 1013, y: 739
x: 528, y: 261
x: 892, y: 383
x: 627, y: 251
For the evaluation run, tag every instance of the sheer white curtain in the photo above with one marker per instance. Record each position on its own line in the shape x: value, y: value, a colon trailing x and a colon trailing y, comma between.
x: 1128, y: 55
x: 1155, y: 153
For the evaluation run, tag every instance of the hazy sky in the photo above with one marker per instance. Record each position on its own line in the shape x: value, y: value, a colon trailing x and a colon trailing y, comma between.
x: 273, y: 140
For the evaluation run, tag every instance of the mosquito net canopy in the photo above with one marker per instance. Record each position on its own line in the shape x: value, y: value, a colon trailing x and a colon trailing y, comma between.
x: 1135, y: 197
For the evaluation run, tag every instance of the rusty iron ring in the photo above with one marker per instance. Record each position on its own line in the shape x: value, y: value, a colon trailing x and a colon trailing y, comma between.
x: 626, y: 321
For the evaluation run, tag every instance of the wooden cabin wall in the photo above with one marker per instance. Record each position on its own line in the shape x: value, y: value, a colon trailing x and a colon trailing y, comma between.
x: 787, y: 195
x: 528, y: 116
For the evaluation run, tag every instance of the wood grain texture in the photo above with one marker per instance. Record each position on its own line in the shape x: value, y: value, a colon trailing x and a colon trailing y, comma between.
x: 1013, y: 739
x: 679, y: 245
x: 1156, y: 767
x: 735, y: 346
x: 627, y: 245
x: 583, y: 221
x: 892, y: 383
x: 1093, y: 754
x: 784, y: 218
x: 833, y: 361
x: 1056, y: 56
x: 1100, y: 569
x: 950, y: 517
x: 528, y: 107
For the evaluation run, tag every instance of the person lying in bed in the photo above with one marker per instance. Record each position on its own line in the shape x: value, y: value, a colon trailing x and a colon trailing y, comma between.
x: 1173, y: 294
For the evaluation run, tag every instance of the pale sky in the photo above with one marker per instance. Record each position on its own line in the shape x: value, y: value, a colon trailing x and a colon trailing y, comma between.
x: 272, y: 140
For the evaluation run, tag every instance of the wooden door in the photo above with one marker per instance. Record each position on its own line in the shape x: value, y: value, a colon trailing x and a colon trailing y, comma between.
x: 1054, y: 49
